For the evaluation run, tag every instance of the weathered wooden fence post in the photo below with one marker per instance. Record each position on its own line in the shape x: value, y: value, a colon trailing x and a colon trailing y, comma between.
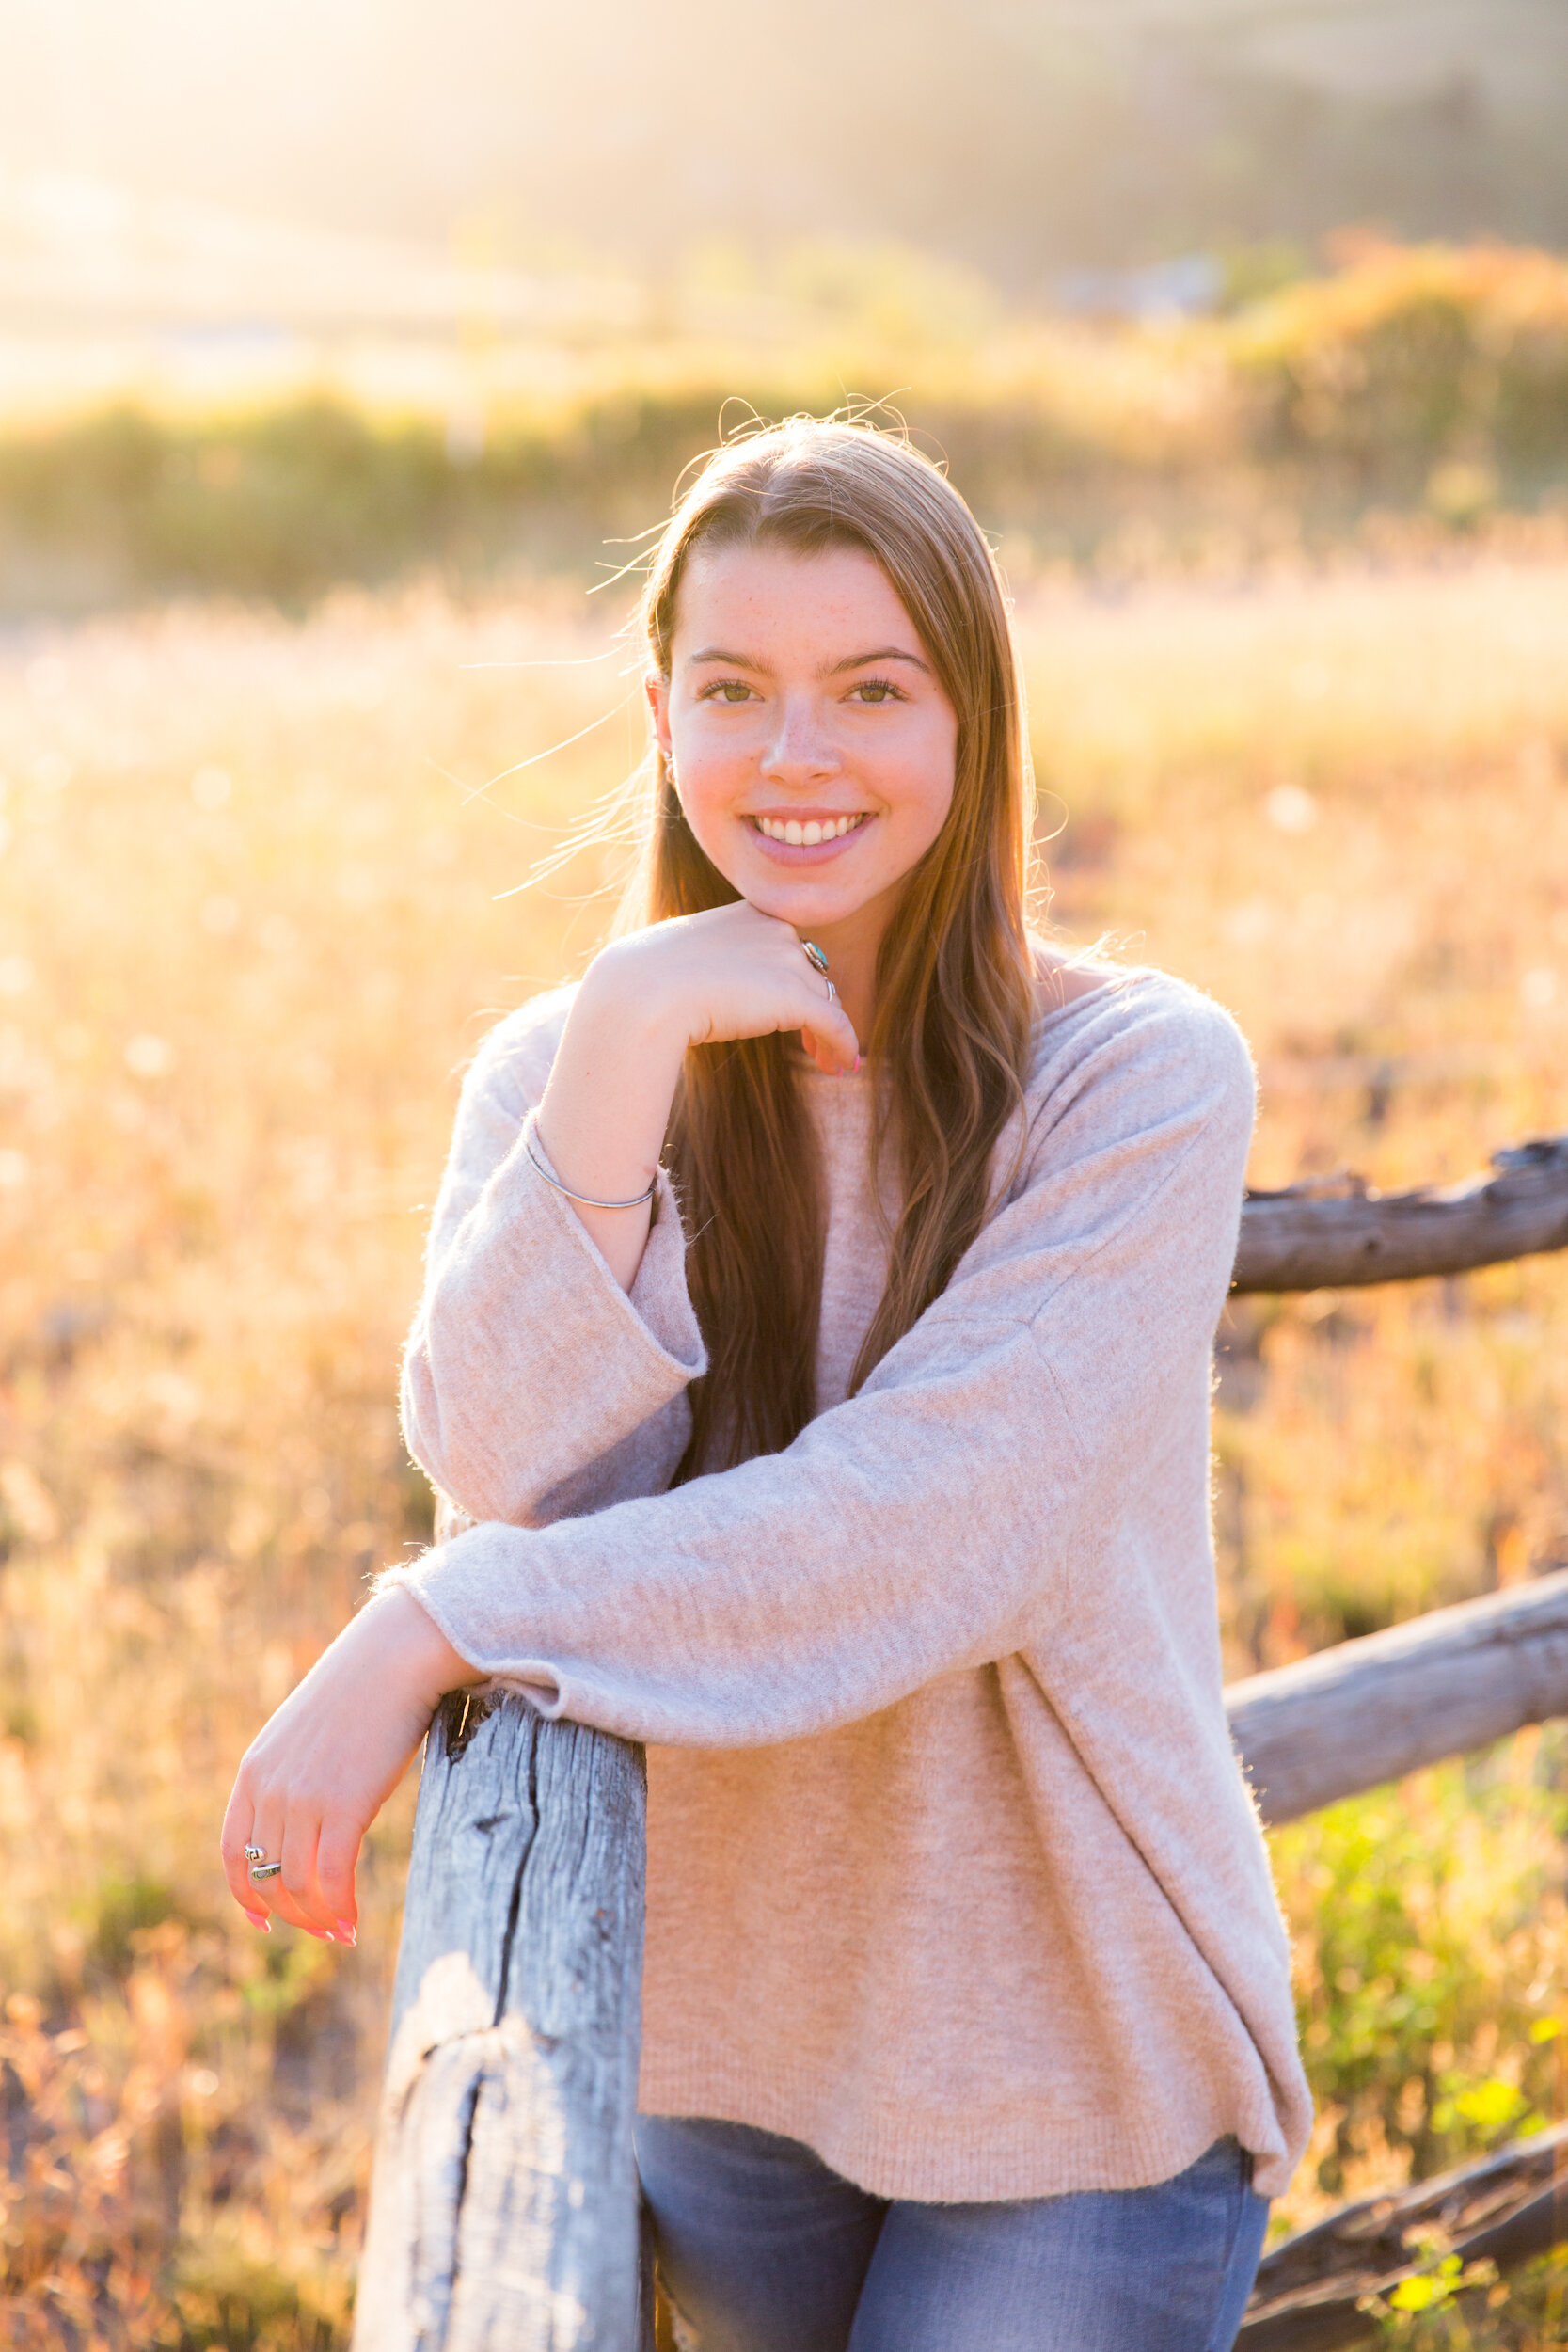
x: 504, y: 2207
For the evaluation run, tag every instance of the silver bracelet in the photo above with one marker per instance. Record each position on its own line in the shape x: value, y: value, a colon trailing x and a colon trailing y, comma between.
x: 586, y: 1200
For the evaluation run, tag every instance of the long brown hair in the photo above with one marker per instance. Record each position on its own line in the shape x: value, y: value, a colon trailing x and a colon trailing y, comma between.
x: 955, y: 974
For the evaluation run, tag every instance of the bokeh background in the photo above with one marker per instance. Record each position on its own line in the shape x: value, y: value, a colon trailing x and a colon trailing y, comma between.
x: 344, y: 352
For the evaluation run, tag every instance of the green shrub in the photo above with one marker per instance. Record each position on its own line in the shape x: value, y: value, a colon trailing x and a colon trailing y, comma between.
x: 1429, y: 1922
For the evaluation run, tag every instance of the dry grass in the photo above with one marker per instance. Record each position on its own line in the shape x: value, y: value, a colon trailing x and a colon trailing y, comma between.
x: 1343, y: 807
x: 248, y: 934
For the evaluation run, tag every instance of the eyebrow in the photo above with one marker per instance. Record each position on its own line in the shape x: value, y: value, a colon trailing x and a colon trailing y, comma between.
x: 854, y: 661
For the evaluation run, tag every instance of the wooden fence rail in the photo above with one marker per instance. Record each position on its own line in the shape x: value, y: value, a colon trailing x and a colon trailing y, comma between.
x: 504, y: 2211
x: 1367, y: 1712
x: 1336, y: 1233
x: 1504, y: 2209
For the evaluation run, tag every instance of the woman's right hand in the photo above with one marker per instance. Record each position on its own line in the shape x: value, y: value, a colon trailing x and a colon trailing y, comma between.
x: 729, y: 973
x: 701, y: 979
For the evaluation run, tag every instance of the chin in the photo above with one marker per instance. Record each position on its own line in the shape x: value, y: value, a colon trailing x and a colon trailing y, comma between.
x: 799, y: 904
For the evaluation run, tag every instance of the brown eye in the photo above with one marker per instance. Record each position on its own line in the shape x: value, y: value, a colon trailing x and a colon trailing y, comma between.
x: 876, y: 689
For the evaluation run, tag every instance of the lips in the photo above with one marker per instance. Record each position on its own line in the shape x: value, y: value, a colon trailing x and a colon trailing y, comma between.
x: 808, y: 831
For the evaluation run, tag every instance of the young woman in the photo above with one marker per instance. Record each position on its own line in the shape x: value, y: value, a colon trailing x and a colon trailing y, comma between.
x: 817, y: 1331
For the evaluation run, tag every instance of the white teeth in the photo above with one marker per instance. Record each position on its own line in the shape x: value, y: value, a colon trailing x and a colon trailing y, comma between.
x: 807, y: 835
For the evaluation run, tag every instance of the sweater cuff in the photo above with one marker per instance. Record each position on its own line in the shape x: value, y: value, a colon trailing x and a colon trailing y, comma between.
x: 658, y: 1297
x: 460, y: 1584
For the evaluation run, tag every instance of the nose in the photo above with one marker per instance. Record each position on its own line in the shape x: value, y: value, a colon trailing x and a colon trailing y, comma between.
x: 802, y: 750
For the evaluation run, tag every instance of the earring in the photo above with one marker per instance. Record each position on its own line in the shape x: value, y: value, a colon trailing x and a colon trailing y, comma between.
x: 670, y: 771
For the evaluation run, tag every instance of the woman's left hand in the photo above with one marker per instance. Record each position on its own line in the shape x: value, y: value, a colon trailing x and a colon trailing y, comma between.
x: 316, y: 1776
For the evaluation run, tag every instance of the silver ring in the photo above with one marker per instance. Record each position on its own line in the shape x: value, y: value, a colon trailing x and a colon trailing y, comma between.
x: 256, y: 1853
x: 260, y: 1870
x: 833, y: 994
x: 815, y: 957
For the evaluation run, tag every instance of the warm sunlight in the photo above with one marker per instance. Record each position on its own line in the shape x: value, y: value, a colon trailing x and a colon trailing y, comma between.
x: 349, y: 358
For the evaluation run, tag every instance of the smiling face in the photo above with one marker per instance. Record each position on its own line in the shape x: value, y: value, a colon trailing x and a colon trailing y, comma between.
x: 814, y: 749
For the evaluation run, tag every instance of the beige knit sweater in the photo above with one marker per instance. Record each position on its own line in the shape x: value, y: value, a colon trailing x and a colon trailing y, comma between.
x: 952, y: 1873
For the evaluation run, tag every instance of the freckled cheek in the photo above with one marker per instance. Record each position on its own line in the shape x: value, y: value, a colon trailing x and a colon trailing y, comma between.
x: 712, y: 773
x: 920, y: 807
x: 707, y: 797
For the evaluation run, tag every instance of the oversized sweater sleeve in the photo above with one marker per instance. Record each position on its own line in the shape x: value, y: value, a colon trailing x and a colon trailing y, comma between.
x: 533, y: 1384
x: 948, y: 1514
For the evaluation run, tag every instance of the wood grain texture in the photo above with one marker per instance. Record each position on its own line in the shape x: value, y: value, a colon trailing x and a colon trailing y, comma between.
x: 1337, y: 1234
x: 504, y: 2207
x: 1507, y: 2208
x: 1371, y: 1710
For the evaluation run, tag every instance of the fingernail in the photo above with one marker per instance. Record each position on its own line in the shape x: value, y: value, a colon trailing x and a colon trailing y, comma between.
x: 259, y: 1919
x: 348, y: 1931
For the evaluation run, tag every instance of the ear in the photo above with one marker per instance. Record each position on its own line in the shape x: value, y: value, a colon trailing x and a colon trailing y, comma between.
x: 657, y: 692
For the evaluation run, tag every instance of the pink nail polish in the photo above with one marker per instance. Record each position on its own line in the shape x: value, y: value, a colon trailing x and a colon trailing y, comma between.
x: 347, y: 1931
x: 259, y: 1919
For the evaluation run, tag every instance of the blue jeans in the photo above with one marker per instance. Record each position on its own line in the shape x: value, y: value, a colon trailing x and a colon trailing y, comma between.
x: 761, y: 2249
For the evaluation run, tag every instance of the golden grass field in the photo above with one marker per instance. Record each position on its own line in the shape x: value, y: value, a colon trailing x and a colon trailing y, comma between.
x: 250, y: 928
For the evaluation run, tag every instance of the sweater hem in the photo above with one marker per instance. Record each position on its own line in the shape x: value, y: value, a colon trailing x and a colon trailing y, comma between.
x: 994, y: 2159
